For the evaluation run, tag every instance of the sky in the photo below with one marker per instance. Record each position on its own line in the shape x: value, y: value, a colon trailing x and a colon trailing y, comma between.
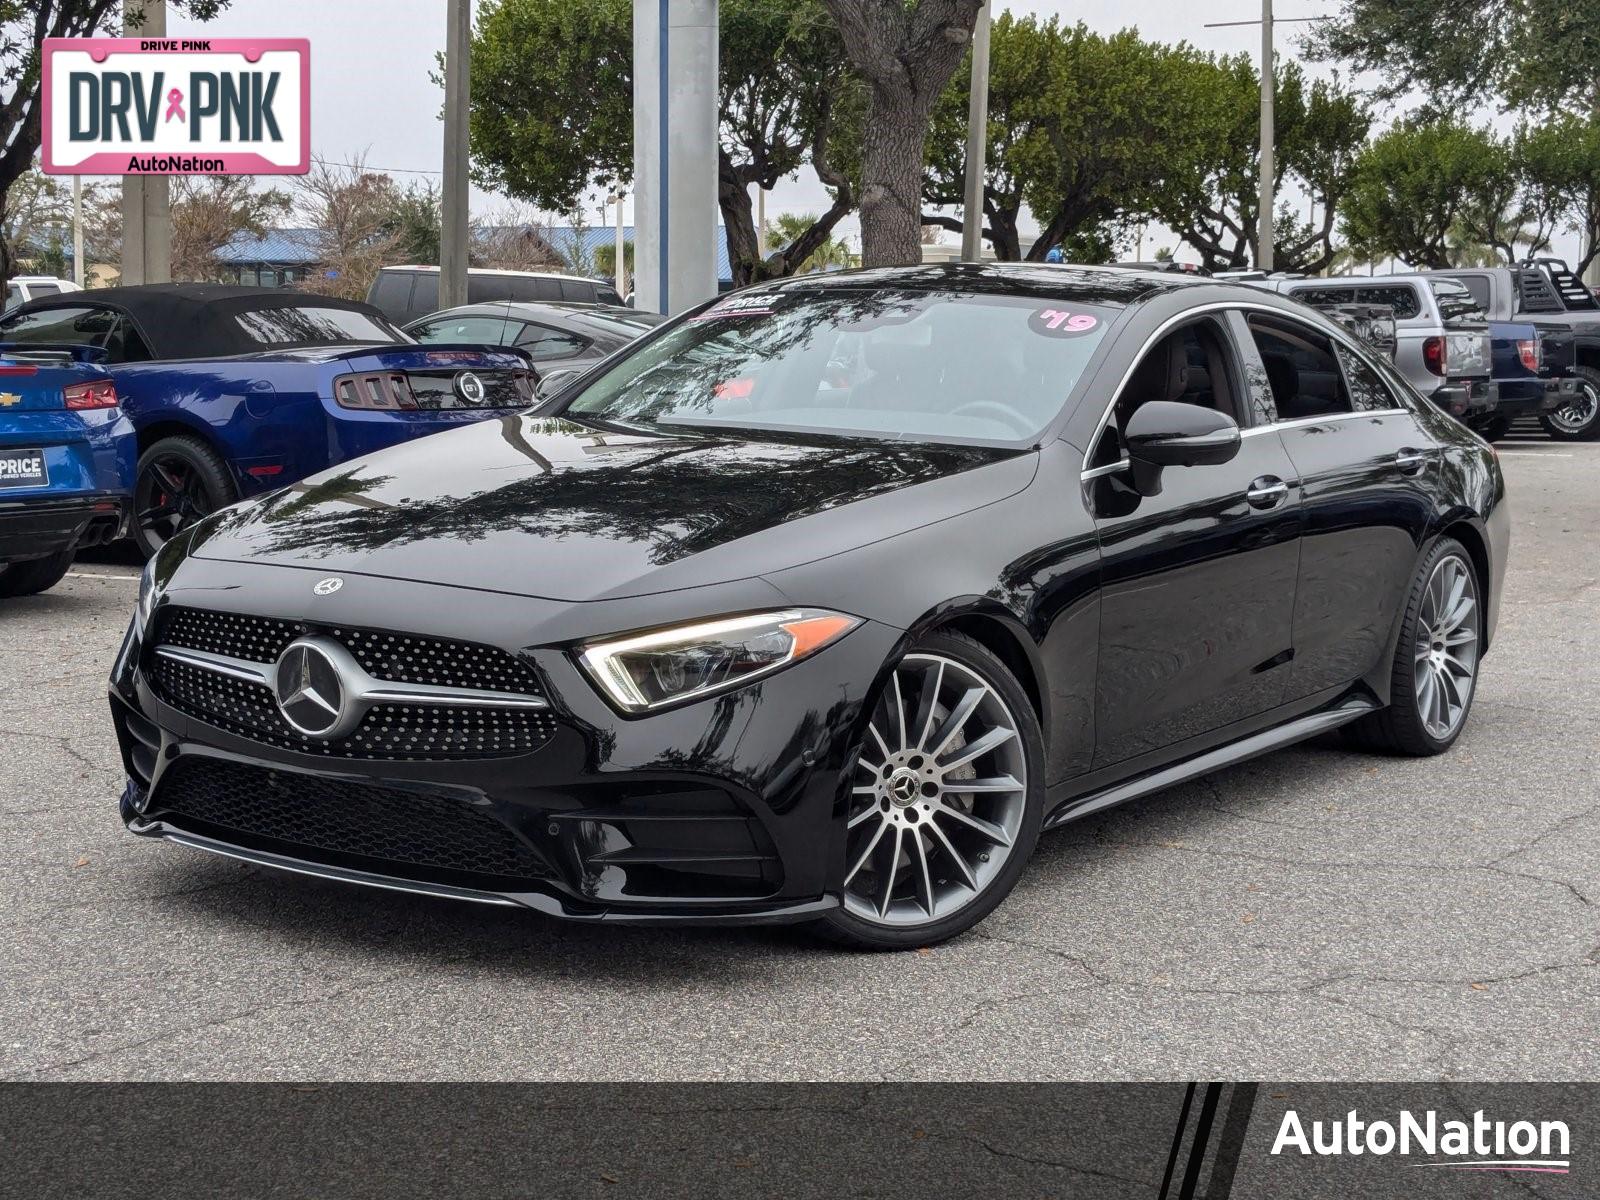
x: 371, y: 94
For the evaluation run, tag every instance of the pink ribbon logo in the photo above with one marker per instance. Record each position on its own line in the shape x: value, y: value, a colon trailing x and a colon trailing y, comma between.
x: 175, y: 105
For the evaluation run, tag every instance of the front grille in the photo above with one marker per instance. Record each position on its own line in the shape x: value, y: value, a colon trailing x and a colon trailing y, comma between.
x: 309, y: 817
x: 396, y: 657
x: 387, y: 731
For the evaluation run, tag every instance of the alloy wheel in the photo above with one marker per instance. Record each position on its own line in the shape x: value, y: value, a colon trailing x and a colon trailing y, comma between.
x: 171, y: 496
x: 1576, y: 416
x: 938, y: 796
x: 1446, y: 647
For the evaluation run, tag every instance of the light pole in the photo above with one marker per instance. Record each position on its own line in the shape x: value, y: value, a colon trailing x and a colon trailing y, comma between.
x: 1269, y: 181
x: 146, y: 199
x: 977, y: 140
x: 454, y: 197
x: 622, y: 262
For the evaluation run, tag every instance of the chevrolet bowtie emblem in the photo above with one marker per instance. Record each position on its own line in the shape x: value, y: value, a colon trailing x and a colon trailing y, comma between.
x: 7, y: 399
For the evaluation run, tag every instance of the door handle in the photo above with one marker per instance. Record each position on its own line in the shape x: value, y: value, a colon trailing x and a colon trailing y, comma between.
x: 1266, y: 492
x: 1411, y: 462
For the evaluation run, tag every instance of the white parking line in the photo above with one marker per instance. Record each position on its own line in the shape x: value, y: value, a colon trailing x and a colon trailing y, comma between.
x: 99, y: 575
x: 1532, y: 454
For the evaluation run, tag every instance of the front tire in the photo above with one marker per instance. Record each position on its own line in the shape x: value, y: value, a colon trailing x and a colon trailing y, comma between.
x: 1435, y: 671
x: 1578, y: 421
x: 34, y: 575
x: 178, y: 481
x: 946, y: 801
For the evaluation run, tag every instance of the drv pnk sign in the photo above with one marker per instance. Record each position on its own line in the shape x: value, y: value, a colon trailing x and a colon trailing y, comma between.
x: 165, y: 106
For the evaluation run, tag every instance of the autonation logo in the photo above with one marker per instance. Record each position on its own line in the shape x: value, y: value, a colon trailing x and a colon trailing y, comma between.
x: 1476, y: 1145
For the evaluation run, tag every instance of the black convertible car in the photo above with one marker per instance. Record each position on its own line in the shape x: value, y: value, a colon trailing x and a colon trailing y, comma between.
x: 821, y: 603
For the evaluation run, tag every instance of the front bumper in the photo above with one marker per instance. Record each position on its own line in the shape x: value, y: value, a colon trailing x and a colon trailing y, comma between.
x: 725, y: 811
x: 43, y: 525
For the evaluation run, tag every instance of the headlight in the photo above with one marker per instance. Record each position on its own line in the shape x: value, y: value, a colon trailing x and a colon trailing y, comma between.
x: 148, y: 591
x: 685, y: 662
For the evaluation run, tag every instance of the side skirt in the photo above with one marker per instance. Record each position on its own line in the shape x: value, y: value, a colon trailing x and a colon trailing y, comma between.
x: 1264, y: 742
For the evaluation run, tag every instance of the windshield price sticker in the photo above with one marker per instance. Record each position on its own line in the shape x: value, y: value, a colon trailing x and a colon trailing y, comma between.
x: 738, y: 306
x: 1060, y: 322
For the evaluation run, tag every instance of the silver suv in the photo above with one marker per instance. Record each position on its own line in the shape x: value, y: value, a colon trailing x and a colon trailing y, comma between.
x: 1442, y: 343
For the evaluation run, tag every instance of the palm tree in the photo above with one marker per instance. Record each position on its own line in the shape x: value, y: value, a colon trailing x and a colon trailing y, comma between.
x: 833, y: 254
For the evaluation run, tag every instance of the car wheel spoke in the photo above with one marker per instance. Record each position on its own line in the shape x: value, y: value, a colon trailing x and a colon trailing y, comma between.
x: 922, y: 840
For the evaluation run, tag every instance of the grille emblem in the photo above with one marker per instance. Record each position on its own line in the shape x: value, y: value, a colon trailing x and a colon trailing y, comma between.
x: 311, y: 690
x: 470, y: 387
x: 328, y: 586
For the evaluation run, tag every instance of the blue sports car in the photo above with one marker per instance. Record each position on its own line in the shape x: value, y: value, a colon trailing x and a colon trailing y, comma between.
x: 66, y: 467
x: 235, y: 391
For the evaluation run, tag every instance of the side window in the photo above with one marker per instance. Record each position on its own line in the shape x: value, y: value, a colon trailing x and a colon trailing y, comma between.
x: 577, y: 289
x: 424, y: 297
x: 481, y: 289
x: 1302, y: 369
x: 1190, y: 365
x: 1399, y: 296
x: 44, y: 289
x: 392, y: 292
x: 1367, y: 391
x: 490, y: 331
x: 13, y: 295
x: 544, y: 343
x: 1478, y: 285
x: 76, y: 325
x: 124, y: 345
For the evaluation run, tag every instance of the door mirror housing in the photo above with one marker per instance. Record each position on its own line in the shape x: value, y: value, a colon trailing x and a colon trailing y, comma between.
x: 1165, y: 433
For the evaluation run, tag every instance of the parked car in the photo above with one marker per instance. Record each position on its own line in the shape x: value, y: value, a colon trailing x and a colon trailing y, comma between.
x: 66, y: 467
x: 561, y: 339
x: 22, y: 288
x: 238, y: 390
x: 1545, y: 294
x: 403, y: 294
x: 1443, y: 352
x: 821, y: 603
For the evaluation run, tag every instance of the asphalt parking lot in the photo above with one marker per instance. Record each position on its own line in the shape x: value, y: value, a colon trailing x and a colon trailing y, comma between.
x: 1312, y: 915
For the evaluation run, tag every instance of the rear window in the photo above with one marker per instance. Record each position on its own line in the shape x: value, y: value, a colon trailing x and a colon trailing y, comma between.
x: 1399, y: 296
x: 392, y: 292
x: 1457, y: 305
x: 314, y: 325
x: 460, y: 330
x: 74, y: 325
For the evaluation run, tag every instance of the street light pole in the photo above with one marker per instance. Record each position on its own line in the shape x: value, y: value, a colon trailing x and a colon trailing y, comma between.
x: 454, y: 198
x: 1268, y: 134
x: 977, y: 140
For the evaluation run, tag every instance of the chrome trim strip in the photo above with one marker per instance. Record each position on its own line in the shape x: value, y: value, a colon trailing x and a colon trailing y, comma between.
x: 237, y: 668
x: 427, y: 693
x: 1305, y: 422
x: 1122, y: 464
x: 263, y: 858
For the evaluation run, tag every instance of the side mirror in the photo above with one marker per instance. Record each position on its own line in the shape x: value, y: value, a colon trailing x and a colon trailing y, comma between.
x: 552, y: 382
x: 1163, y: 433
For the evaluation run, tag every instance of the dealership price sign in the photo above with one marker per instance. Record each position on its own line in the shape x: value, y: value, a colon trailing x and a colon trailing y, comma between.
x: 165, y: 106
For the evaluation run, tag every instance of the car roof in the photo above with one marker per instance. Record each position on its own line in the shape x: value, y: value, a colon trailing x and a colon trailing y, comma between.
x: 501, y: 271
x: 1047, y: 281
x: 549, y: 310
x: 192, y: 320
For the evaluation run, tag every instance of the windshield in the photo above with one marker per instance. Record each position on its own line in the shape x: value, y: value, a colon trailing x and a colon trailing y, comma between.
x: 311, y: 325
x: 932, y: 366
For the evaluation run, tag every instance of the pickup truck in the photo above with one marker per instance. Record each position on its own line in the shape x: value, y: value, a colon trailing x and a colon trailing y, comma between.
x: 1443, y: 350
x: 1545, y: 294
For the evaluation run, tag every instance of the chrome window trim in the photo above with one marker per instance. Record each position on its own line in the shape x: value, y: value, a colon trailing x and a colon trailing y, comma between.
x: 1333, y: 333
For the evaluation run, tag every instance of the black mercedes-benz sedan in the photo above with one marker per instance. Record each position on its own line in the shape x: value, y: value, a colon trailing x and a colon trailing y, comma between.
x: 820, y: 603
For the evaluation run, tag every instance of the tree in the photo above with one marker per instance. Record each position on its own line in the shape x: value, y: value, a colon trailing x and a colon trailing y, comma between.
x: 416, y: 224
x: 1457, y: 52
x: 37, y: 204
x: 24, y: 24
x: 552, y: 114
x: 351, y: 212
x: 905, y: 53
x: 1415, y: 187
x: 788, y: 228
x: 1209, y: 191
x: 209, y: 211
x: 1560, y: 166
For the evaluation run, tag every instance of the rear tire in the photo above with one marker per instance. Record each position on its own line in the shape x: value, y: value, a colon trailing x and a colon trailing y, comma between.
x: 1435, y: 672
x: 34, y: 575
x: 178, y: 481
x: 1580, y: 420
x: 926, y: 860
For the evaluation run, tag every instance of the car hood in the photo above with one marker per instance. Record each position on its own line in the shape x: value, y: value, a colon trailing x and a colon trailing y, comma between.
x: 566, y: 511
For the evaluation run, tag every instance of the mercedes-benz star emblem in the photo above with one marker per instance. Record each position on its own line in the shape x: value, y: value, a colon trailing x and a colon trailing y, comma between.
x: 311, y: 694
x: 328, y: 586
x: 470, y: 387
